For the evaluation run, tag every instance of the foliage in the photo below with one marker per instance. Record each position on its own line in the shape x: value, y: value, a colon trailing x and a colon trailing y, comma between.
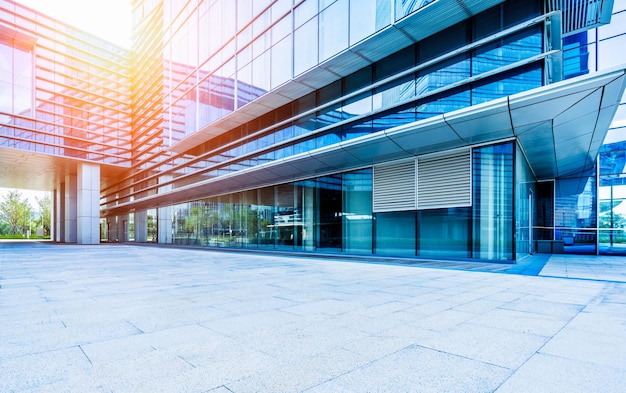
x: 45, y: 206
x: 617, y: 221
x: 5, y: 228
x: 16, y: 212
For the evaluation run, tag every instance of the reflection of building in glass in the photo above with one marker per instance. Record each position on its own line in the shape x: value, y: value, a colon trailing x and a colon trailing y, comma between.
x: 459, y: 129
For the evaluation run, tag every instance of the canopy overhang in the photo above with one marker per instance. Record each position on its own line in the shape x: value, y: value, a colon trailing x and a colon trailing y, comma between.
x: 560, y: 128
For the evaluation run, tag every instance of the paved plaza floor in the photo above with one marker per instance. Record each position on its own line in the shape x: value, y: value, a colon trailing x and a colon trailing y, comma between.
x: 130, y: 318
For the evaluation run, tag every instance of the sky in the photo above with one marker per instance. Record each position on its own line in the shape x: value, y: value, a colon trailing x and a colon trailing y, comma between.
x: 108, y: 19
x: 28, y: 194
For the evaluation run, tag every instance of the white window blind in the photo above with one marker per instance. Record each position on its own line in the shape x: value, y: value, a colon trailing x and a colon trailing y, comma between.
x: 444, y: 181
x: 394, y: 187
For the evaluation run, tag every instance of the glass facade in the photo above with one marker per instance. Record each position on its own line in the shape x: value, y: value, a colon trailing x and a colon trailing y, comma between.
x: 334, y: 214
x: 418, y: 82
x: 222, y: 122
x: 16, y: 78
x: 63, y: 92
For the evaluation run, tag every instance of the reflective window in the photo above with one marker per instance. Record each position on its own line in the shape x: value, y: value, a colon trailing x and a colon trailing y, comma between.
x: 444, y: 233
x: 395, y: 234
x: 328, y: 231
x: 510, y: 83
x: 406, y: 7
x: 493, y: 202
x: 333, y: 29
x: 281, y: 62
x: 512, y: 48
x: 367, y: 17
x: 575, y: 55
x: 612, y: 196
x: 574, y: 211
x: 357, y: 212
x: 525, y: 197
x: 16, y: 79
x: 304, y: 12
x: 305, y: 47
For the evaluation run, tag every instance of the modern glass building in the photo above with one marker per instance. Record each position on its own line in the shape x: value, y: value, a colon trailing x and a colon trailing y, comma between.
x: 483, y: 129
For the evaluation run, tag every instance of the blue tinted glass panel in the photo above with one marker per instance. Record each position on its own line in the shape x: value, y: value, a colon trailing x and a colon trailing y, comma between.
x: 452, y: 71
x: 328, y: 139
x: 493, y: 202
x: 444, y: 232
x: 443, y: 105
x: 528, y: 78
x: 357, y: 212
x: 394, y: 118
x: 510, y: 49
x: 575, y: 55
x: 406, y: 7
x: 357, y: 129
x: 395, y: 234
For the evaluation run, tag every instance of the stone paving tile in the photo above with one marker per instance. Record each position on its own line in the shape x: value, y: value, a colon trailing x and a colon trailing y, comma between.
x: 521, y: 321
x: 419, y: 369
x: 602, y: 350
x: 499, y: 347
x: 124, y: 318
x: 552, y: 374
x: 43, y: 368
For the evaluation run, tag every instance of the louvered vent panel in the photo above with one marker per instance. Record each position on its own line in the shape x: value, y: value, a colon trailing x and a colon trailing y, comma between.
x: 394, y: 187
x: 444, y: 181
x: 581, y: 15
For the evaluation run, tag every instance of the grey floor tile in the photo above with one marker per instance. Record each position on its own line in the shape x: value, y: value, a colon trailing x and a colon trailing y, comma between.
x: 131, y: 318
x: 552, y: 374
x: 418, y: 369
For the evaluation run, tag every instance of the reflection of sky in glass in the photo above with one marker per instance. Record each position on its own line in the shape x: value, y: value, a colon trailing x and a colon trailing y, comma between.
x: 110, y: 19
x: 15, y: 82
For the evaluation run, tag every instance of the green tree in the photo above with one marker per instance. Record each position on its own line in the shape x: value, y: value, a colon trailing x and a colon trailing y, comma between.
x: 5, y: 229
x: 16, y: 212
x: 44, y: 205
x: 614, y: 222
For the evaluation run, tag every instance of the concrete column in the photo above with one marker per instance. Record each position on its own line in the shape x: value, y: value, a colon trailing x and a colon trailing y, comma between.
x: 88, y: 202
x: 141, y: 226
x: 70, y: 209
x: 59, y: 213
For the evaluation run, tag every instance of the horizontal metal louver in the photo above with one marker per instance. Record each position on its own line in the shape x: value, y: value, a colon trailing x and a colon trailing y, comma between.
x: 581, y: 15
x: 444, y: 181
x: 394, y: 187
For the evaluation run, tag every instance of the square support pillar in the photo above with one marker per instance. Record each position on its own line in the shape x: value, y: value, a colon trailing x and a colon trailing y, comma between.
x: 88, y: 202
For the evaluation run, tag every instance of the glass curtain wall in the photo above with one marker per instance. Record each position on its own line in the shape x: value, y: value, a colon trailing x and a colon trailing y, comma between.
x: 445, y: 233
x: 333, y: 214
x: 612, y: 198
x: 575, y: 217
x: 328, y: 236
x: 16, y: 79
x: 396, y: 233
x: 357, y: 212
x: 493, y: 202
x: 543, y: 222
x: 525, y: 201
